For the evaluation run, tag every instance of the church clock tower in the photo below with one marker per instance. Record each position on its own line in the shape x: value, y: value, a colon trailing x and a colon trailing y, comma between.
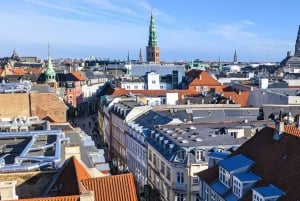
x: 152, y: 50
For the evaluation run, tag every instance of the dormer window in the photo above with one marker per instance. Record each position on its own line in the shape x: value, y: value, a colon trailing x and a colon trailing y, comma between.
x: 180, y: 155
x: 267, y: 193
x: 224, y: 177
x: 242, y: 182
x: 200, y: 155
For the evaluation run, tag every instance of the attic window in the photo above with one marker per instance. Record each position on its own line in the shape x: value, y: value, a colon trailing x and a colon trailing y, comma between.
x: 180, y: 155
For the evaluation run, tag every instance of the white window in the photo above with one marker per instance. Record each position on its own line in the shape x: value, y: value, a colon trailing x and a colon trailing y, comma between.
x: 236, y: 188
x: 257, y: 197
x: 180, y: 155
x: 179, y: 197
x: 197, y: 88
x: 200, y: 155
x: 180, y: 177
x: 196, y: 197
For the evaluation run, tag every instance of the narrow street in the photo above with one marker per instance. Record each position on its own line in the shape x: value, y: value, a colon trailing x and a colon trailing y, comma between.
x: 89, y: 124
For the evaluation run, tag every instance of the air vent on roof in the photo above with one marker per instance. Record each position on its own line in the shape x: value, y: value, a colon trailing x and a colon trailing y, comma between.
x: 184, y: 141
x: 192, y: 128
x: 179, y: 138
x: 198, y: 139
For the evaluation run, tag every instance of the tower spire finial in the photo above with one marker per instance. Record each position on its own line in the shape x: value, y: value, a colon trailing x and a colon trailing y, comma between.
x: 48, y: 49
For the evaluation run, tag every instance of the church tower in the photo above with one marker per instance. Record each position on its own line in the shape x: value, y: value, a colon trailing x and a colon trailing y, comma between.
x: 152, y: 50
x: 140, y: 56
x: 50, y: 73
x: 297, y: 46
x: 235, y: 58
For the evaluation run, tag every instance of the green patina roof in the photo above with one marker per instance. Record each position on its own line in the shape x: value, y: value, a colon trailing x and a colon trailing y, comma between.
x: 152, y: 42
x: 50, y: 72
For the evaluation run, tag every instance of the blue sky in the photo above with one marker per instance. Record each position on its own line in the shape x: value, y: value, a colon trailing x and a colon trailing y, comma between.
x: 259, y: 30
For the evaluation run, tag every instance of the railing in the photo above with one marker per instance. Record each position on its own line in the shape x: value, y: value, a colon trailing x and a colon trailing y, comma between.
x: 180, y: 186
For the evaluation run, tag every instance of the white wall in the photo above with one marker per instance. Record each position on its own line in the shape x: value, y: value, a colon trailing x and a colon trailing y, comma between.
x: 153, y: 81
x: 171, y: 98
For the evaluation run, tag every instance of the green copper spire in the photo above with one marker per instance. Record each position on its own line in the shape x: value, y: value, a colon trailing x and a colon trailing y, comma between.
x: 50, y: 72
x: 152, y: 42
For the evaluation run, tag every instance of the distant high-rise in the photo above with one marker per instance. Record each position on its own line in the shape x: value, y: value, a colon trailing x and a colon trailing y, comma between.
x: 297, y: 45
x: 152, y: 50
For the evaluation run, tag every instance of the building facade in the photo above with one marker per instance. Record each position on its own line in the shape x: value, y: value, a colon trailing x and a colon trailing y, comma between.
x: 176, y: 153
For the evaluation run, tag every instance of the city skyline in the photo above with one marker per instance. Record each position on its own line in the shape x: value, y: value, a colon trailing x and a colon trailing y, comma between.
x: 257, y: 30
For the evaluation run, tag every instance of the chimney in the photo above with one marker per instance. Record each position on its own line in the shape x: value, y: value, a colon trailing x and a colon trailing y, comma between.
x: 72, y: 150
x: 8, y: 190
x: 298, y: 122
x: 87, y: 196
x: 279, y: 130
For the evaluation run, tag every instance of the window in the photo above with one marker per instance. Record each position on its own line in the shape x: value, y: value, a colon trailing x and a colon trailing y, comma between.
x: 70, y: 90
x: 197, y: 88
x: 153, y: 81
x: 180, y: 177
x: 154, y: 160
x: 200, y: 155
x: 135, y: 87
x: 179, y: 197
x: 168, y: 175
x: 180, y: 155
x: 196, y: 197
x: 195, y: 180
x: 236, y: 188
x: 127, y: 86
x: 150, y: 155
x: 162, y: 167
x: 256, y: 197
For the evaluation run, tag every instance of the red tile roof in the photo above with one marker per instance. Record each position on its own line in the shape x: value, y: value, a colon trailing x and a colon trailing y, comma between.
x: 78, y: 76
x: 202, y: 78
x: 239, y: 98
x: 276, y: 162
x: 112, y: 188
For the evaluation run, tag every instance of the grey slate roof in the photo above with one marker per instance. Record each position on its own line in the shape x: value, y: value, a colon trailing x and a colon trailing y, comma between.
x: 209, y: 115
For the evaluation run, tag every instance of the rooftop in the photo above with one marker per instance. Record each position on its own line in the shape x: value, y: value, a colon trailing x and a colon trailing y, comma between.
x: 236, y: 162
x: 276, y: 162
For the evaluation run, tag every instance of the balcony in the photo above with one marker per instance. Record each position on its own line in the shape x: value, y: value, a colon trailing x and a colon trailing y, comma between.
x: 179, y: 186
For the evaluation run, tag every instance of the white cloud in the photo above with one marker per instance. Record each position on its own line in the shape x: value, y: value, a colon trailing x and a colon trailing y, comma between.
x: 248, y: 22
